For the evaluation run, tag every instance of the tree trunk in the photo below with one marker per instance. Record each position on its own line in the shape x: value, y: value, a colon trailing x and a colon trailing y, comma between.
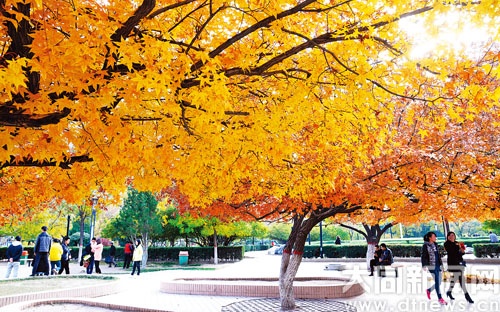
x: 216, y: 254
x: 294, y: 248
x: 372, y: 238
x: 289, y: 267
x: 372, y: 234
x: 292, y: 257
x: 145, y: 244
x: 82, y: 234
x: 446, y: 226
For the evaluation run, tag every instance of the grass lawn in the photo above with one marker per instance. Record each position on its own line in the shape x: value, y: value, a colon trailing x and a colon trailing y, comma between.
x: 45, y: 283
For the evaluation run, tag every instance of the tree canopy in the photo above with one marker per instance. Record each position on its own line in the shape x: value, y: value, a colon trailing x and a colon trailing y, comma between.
x: 251, y: 109
x: 291, y: 96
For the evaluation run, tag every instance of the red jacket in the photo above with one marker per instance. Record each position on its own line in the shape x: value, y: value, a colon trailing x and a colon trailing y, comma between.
x: 128, y: 250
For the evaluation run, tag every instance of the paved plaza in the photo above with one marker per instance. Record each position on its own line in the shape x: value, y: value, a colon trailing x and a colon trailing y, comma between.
x: 405, y: 293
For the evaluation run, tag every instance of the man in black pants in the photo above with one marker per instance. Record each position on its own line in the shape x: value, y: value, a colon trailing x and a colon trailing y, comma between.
x: 375, y: 260
x: 112, y: 254
x: 41, y: 252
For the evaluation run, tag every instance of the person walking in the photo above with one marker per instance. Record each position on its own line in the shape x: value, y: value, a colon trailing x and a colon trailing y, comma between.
x: 14, y: 253
x: 97, y: 250
x: 55, y: 256
x: 112, y: 254
x: 89, y: 252
x: 66, y: 256
x: 455, y: 261
x: 431, y: 261
x: 375, y: 261
x: 41, y: 252
x: 128, y: 250
x: 137, y: 257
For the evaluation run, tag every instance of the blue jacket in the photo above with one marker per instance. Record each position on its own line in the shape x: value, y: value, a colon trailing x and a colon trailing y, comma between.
x: 43, y: 242
x: 15, y: 251
x: 386, y: 258
x: 66, y: 252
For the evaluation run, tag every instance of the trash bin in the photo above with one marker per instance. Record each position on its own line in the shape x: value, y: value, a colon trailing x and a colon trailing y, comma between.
x: 183, y: 257
x: 24, y: 257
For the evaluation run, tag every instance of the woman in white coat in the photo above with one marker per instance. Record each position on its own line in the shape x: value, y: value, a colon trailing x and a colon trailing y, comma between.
x: 137, y: 257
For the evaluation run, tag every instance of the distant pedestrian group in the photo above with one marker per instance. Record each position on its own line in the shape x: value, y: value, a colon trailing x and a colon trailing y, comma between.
x: 93, y: 256
x: 51, y: 255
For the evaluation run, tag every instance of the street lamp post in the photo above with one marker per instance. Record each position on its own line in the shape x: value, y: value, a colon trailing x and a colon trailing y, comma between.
x: 321, y: 239
x: 92, y: 220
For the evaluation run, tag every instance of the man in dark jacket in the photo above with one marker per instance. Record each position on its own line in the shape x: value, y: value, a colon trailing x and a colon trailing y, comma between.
x: 375, y: 261
x: 385, y: 259
x: 14, y: 253
x: 112, y: 255
x: 41, y: 252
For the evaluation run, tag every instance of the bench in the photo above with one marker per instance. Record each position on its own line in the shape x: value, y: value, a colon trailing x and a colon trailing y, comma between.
x: 335, y: 267
x: 395, y: 266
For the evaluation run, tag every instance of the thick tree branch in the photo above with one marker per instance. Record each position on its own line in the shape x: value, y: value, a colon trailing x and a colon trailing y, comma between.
x: 17, y: 118
x: 142, y: 11
x: 28, y: 162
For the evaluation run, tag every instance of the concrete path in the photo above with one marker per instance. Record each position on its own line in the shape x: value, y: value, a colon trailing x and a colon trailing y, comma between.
x: 406, y: 293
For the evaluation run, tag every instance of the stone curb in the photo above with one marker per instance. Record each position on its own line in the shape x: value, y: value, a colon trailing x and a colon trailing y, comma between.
x: 90, y: 291
x: 77, y: 301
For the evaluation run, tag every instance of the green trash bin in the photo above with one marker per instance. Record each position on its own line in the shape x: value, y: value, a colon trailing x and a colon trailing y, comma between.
x: 24, y: 257
x: 183, y: 257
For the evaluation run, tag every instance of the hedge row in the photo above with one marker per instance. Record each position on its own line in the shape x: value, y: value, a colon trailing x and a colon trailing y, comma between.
x: 171, y: 254
x: 403, y: 251
x: 346, y: 251
x: 487, y: 250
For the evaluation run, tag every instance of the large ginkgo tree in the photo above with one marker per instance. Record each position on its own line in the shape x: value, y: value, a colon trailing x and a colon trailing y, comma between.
x: 254, y: 108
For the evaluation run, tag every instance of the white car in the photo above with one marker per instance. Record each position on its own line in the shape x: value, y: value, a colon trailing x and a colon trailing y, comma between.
x: 276, y: 250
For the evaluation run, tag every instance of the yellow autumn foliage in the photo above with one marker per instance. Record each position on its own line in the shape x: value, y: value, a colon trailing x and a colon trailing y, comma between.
x: 305, y: 99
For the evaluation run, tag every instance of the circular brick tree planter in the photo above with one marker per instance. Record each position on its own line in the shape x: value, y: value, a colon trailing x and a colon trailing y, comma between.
x: 304, y: 287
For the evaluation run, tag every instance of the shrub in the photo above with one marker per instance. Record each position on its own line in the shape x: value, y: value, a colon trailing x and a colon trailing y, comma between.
x: 487, y: 250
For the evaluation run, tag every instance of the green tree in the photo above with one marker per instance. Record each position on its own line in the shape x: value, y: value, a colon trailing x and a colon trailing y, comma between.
x: 492, y: 225
x: 201, y: 230
x: 138, y: 218
x: 280, y: 231
x: 170, y: 232
x: 258, y: 230
x: 330, y: 232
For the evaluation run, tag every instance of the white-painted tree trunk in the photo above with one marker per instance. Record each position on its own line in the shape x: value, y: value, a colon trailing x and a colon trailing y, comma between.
x: 370, y: 251
x: 289, y: 267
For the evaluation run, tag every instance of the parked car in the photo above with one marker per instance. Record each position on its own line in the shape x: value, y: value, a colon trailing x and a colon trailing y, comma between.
x: 276, y: 250
x: 279, y: 250
x: 272, y: 250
